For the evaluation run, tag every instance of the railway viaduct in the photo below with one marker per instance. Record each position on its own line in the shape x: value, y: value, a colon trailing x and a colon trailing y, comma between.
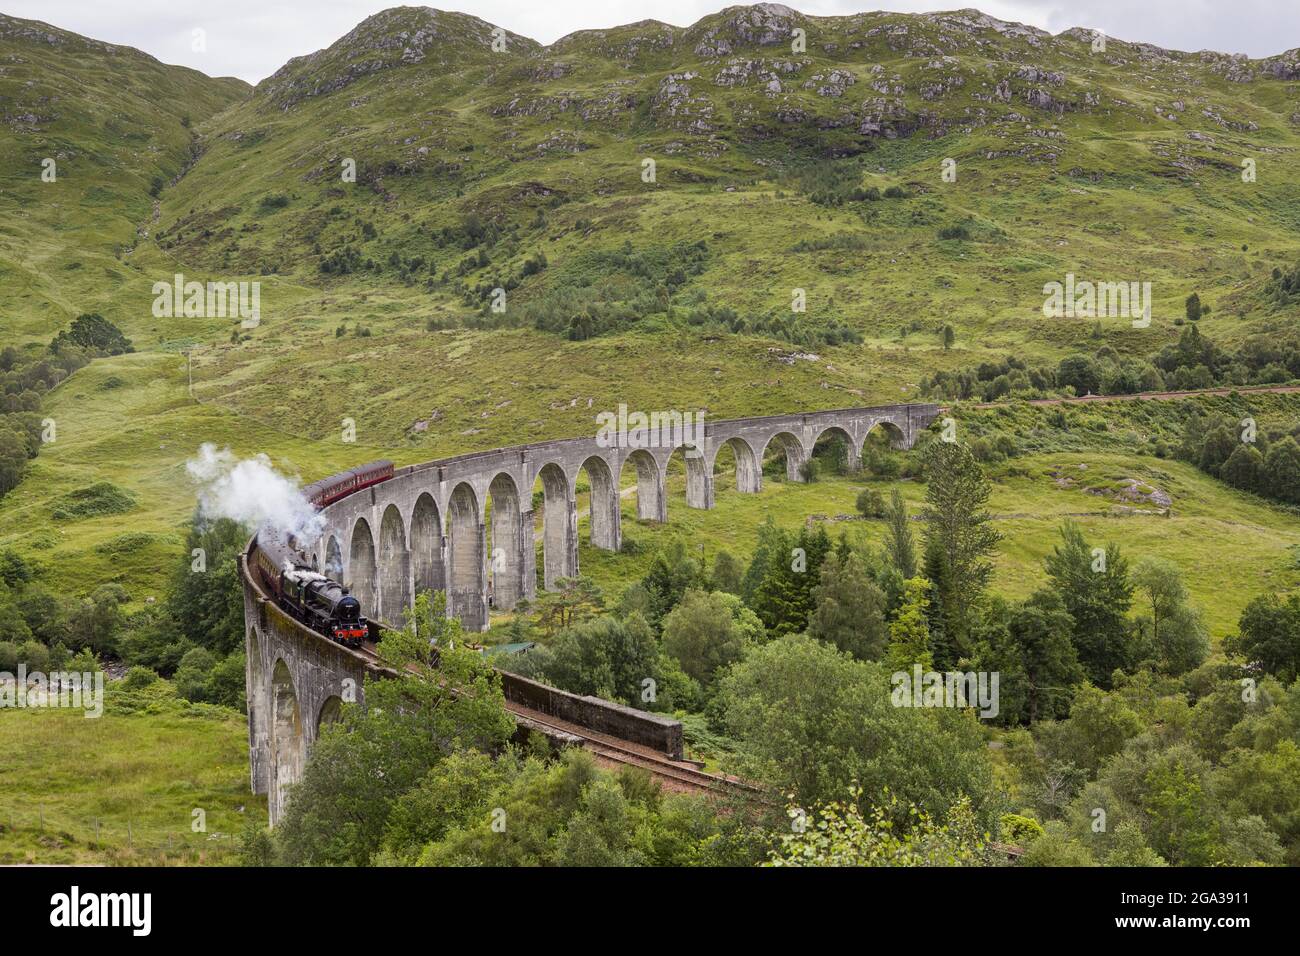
x: 465, y: 525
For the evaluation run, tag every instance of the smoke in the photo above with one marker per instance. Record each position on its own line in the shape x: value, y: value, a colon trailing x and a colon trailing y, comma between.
x: 252, y: 492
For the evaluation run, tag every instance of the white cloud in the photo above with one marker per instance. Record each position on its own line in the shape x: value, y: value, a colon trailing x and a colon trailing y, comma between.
x: 252, y: 38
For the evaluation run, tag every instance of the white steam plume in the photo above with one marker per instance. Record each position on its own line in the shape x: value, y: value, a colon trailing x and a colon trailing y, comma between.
x: 252, y: 492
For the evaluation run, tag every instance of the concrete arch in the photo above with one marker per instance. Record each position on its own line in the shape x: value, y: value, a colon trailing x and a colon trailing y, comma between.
x: 852, y: 451
x: 699, y: 476
x: 330, y: 711
x: 897, y: 437
x: 749, y: 470
x: 466, y: 569
x: 559, y: 526
x: 606, y: 532
x: 508, y: 539
x: 363, y: 568
x: 650, y: 500
x: 394, y: 567
x: 288, y: 749
x: 333, y: 559
x: 792, y: 447
x: 428, y: 560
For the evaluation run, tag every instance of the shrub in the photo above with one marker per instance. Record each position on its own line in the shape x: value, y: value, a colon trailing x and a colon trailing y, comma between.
x: 870, y: 503
x: 35, y: 655
x: 138, y: 677
x: 101, y: 498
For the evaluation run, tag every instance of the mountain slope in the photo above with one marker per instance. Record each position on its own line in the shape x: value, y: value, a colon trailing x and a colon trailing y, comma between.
x: 113, y: 121
x: 525, y: 170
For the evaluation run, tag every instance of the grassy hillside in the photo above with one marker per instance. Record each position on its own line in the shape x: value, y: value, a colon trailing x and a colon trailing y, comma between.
x: 470, y: 165
x: 122, y: 789
x: 96, y: 111
x: 523, y: 168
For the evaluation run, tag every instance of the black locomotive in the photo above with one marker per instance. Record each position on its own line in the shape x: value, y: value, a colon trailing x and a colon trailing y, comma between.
x: 314, y: 599
x: 292, y: 578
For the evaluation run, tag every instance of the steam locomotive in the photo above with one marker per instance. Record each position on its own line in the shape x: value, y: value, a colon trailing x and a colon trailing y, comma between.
x: 290, y: 576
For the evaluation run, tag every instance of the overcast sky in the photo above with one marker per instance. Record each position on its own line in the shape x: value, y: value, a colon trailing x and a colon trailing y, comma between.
x: 251, y: 39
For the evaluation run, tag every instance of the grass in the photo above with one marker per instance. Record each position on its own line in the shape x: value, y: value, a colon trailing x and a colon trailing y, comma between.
x: 1252, y: 542
x: 122, y: 789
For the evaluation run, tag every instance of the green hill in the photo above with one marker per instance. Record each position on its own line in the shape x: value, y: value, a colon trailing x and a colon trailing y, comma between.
x: 87, y: 131
x: 782, y: 161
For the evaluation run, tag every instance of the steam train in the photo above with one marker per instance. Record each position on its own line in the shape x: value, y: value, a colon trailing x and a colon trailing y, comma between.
x: 290, y: 575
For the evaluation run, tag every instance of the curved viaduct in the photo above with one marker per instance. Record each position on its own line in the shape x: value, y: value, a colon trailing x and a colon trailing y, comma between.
x: 465, y: 525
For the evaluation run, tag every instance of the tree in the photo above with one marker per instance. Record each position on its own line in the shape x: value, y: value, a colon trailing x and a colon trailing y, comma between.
x: 574, y: 600
x: 16, y: 628
x: 671, y: 574
x: 606, y: 657
x: 206, y: 603
x: 1244, y: 468
x: 1219, y: 445
x: 1094, y: 586
x: 1268, y: 634
x: 1081, y: 372
x: 13, y: 459
x: 849, y: 609
x: 726, y: 573
x: 1100, y: 724
x: 707, y: 631
x: 1193, y: 307
x: 870, y: 504
x: 1177, y: 634
x: 93, y: 332
x: 909, y: 631
x: 841, y: 835
x: 957, y: 523
x: 773, y: 543
x: 94, y: 620
x: 35, y: 655
x: 813, y: 722
x: 1282, y: 470
x: 1029, y: 645
x: 1130, y: 848
x: 899, y: 544
x: 783, y: 599
x: 949, y: 337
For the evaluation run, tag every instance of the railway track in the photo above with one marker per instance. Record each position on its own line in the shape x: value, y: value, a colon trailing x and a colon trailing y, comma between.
x: 676, y: 775
x: 684, y: 775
